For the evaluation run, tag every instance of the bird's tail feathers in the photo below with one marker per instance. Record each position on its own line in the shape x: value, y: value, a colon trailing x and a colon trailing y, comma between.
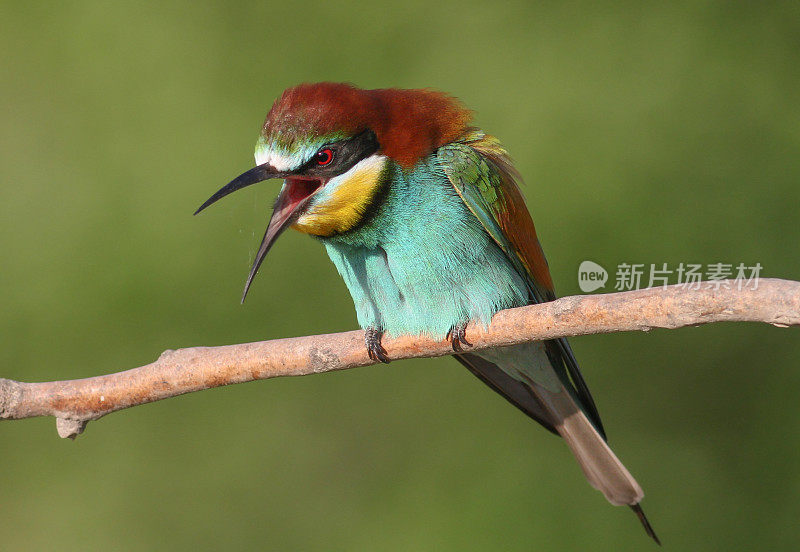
x: 536, y: 389
x: 601, y: 466
x: 604, y: 471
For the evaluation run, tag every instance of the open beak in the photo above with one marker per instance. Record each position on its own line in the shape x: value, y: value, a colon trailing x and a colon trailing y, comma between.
x: 289, y: 205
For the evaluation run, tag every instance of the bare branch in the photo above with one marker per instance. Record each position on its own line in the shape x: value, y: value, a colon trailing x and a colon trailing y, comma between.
x: 76, y: 402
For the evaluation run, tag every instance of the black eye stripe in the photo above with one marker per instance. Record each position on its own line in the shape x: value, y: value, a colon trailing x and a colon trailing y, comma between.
x: 344, y: 154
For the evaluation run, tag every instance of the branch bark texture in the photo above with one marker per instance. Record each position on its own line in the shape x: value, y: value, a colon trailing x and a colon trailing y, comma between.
x: 76, y: 402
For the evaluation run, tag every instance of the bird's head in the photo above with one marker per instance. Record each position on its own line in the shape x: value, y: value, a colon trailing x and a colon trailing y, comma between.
x: 331, y: 144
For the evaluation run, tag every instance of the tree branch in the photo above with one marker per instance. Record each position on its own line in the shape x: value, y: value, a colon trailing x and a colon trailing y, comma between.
x: 76, y: 402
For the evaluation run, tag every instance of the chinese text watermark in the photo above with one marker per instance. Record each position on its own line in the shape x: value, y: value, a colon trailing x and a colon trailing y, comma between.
x: 630, y: 276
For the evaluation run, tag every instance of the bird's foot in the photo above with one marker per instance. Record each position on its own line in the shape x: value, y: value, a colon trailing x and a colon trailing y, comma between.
x: 372, y: 339
x: 458, y: 336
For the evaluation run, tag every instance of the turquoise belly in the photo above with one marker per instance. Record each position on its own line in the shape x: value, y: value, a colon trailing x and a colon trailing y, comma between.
x: 423, y: 262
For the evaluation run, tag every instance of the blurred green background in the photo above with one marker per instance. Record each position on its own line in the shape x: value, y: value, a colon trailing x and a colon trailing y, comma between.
x: 659, y: 133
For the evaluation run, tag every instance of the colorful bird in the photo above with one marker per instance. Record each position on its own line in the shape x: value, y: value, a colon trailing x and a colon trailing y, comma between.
x: 422, y: 215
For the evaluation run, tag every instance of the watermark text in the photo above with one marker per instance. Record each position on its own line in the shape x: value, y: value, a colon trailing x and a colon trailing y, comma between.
x: 631, y: 276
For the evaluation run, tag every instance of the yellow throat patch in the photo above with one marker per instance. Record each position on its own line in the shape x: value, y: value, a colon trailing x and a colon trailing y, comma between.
x: 351, y: 195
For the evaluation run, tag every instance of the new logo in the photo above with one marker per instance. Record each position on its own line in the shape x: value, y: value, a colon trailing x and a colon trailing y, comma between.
x: 591, y: 276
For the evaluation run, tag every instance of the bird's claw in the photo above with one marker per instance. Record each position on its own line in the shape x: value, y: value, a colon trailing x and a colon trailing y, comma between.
x: 458, y: 336
x: 372, y: 339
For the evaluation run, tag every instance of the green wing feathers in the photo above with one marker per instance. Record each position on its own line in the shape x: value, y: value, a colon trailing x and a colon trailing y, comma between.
x: 540, y: 378
x: 481, y: 172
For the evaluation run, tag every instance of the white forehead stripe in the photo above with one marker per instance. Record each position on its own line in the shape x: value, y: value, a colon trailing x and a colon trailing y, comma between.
x: 276, y: 160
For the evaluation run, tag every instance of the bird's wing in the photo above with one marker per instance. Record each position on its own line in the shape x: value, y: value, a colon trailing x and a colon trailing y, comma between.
x: 482, y: 173
x: 515, y: 392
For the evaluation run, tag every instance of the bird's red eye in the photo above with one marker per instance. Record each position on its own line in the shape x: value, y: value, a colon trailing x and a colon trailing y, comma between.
x: 324, y: 157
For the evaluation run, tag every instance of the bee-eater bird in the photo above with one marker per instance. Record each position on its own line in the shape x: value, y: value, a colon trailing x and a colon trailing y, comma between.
x: 422, y: 215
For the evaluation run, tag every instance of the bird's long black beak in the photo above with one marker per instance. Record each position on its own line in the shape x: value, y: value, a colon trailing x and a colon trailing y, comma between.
x: 290, y: 202
x: 253, y: 176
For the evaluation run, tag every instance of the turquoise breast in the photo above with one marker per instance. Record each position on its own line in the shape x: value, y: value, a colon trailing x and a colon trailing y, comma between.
x: 423, y: 263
